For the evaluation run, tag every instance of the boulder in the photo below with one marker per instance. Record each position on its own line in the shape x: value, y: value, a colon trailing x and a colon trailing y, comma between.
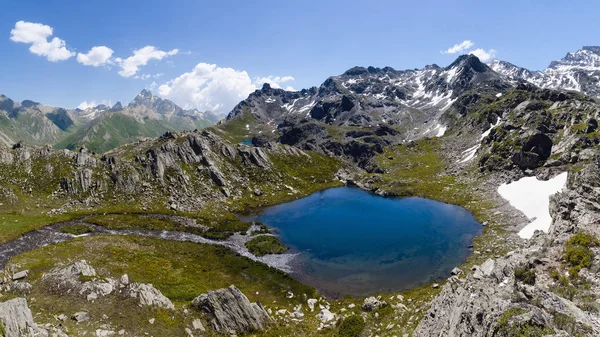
x: 148, y: 295
x: 311, y: 303
x: 371, y: 303
x: 81, y: 316
x: 325, y: 315
x: 231, y: 311
x: 197, y: 325
x: 17, y: 320
x: 20, y: 275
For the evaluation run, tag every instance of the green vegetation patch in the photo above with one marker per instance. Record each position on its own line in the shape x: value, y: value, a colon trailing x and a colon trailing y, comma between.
x: 263, y: 229
x: 180, y: 270
x: 504, y: 328
x: 225, y: 229
x: 525, y: 274
x: 77, y: 229
x: 14, y: 225
x: 135, y: 221
x: 265, y: 244
x: 419, y: 170
x: 351, y: 326
x: 578, y: 254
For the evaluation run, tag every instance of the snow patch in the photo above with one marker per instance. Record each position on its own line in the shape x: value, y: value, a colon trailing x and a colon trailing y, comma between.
x: 441, y: 130
x: 499, y: 94
x: 470, y: 153
x: 532, y: 197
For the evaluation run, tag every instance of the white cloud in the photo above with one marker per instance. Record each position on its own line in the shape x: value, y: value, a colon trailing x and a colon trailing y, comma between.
x: 92, y: 104
x: 459, y: 47
x: 147, y: 76
x: 483, y: 55
x: 85, y: 105
x: 212, y: 88
x: 37, y: 35
x: 208, y: 87
x: 97, y: 56
x: 141, y: 57
x: 275, y: 81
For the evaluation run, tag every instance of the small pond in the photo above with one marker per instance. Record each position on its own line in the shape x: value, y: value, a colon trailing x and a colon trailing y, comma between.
x: 351, y: 242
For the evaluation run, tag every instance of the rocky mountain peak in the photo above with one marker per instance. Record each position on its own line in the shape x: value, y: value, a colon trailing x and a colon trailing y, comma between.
x: 6, y: 104
x: 144, y: 98
x: 578, y: 71
x: 117, y: 106
x: 587, y: 58
x: 469, y: 62
x: 29, y: 104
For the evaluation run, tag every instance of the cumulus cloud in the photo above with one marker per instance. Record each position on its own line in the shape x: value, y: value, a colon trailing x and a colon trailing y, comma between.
x: 97, y: 56
x: 208, y: 87
x: 91, y: 104
x: 211, y: 88
x: 37, y: 34
x: 459, y: 47
x: 463, y: 47
x: 275, y: 81
x: 484, y: 55
x: 131, y: 65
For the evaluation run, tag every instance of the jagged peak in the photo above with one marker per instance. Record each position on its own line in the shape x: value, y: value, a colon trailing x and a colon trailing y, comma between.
x: 469, y: 61
x: 595, y: 49
x: 117, y: 106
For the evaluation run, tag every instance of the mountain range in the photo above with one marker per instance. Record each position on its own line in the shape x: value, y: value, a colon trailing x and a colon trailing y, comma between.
x: 100, y: 128
x: 415, y: 103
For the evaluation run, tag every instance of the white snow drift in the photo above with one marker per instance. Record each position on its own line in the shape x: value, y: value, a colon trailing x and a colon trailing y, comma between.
x: 532, y: 197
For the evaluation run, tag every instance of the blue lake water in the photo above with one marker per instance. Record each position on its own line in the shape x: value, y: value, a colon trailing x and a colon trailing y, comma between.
x: 246, y: 141
x: 352, y: 242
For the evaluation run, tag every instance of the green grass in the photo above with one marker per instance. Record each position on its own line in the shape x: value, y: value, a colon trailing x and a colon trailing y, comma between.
x: 180, y: 270
x: 419, y: 170
x: 14, y: 226
x: 265, y: 244
x: 77, y: 229
x: 143, y: 222
x: 351, y: 326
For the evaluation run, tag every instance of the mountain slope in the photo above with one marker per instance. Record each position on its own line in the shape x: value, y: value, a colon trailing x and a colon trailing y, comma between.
x: 578, y: 71
x: 100, y: 128
x: 363, y: 110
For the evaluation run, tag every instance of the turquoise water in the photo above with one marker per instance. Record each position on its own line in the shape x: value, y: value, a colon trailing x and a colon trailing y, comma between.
x: 246, y: 141
x: 351, y: 242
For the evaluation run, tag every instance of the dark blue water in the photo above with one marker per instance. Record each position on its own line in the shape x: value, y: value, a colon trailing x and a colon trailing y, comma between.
x: 352, y: 242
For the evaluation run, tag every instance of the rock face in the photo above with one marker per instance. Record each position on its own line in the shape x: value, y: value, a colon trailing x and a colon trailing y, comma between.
x: 495, y: 298
x: 148, y: 295
x: 231, y: 311
x: 17, y: 319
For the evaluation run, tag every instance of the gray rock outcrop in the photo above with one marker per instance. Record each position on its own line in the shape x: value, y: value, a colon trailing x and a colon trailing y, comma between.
x: 231, y: 311
x: 17, y: 320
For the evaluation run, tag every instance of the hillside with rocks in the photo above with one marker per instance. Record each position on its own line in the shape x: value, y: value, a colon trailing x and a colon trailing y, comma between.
x: 147, y: 238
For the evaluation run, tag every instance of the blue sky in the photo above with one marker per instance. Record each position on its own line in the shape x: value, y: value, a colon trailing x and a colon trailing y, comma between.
x: 210, y: 54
